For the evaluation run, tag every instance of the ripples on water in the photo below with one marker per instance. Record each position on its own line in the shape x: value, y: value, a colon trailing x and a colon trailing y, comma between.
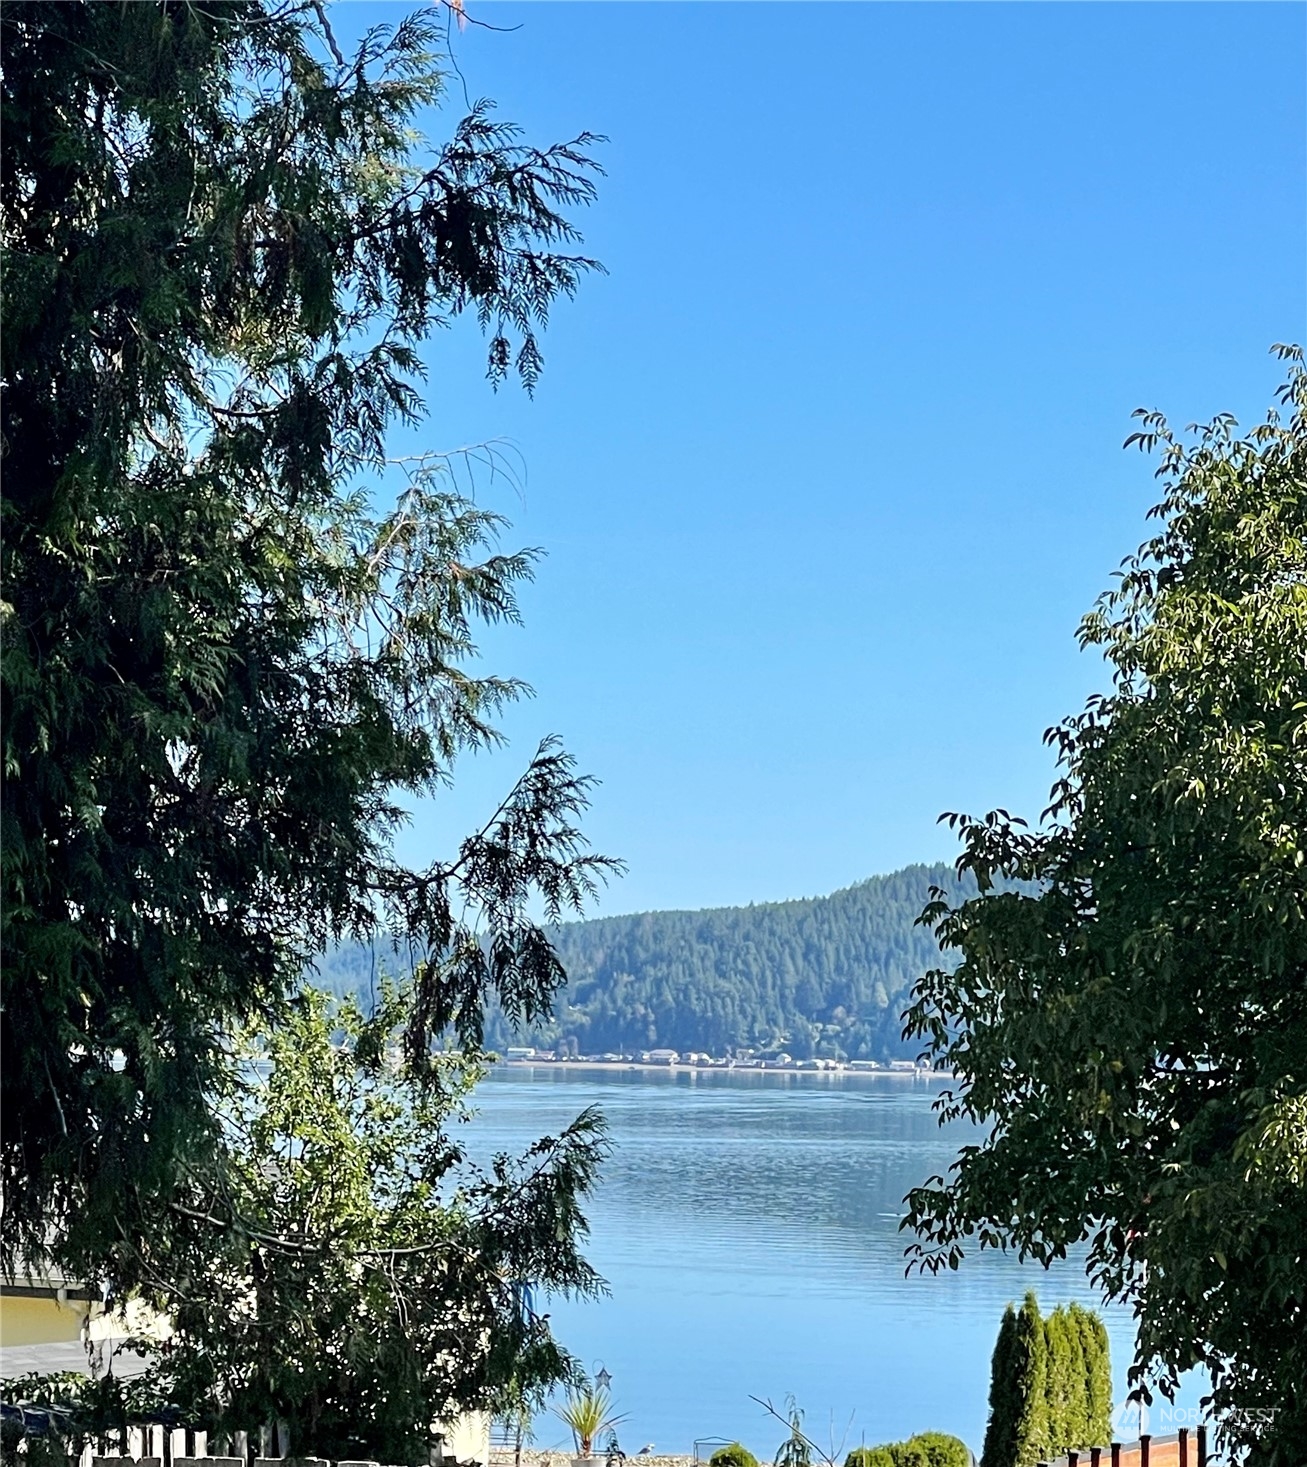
x: 747, y: 1225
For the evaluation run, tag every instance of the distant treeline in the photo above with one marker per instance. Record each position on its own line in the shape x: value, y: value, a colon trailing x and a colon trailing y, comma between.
x: 821, y: 977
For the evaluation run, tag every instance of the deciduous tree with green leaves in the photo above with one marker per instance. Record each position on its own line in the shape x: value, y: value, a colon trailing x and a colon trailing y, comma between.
x: 238, y: 627
x: 1128, y: 1018
x: 373, y: 1283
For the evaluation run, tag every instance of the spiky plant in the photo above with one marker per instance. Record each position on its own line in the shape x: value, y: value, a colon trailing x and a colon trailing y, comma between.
x: 588, y: 1411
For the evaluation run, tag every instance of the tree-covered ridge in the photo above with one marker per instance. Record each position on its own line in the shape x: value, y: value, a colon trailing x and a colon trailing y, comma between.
x: 818, y: 976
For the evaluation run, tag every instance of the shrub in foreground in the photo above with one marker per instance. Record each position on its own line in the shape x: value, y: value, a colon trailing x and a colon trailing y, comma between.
x: 733, y: 1455
x: 935, y: 1449
x: 926, y: 1449
x: 872, y: 1457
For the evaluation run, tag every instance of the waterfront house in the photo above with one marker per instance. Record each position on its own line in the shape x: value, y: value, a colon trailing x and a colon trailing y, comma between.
x: 50, y: 1324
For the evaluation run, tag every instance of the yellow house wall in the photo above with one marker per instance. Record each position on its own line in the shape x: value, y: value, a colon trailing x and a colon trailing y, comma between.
x: 43, y: 1321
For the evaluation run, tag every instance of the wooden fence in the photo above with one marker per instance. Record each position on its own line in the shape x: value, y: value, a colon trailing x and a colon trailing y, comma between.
x: 1184, y: 1449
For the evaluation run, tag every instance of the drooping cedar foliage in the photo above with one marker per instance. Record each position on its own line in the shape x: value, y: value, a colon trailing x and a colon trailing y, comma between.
x: 236, y: 632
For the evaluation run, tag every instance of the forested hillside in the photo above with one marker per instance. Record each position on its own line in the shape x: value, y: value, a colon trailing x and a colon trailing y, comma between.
x: 821, y: 976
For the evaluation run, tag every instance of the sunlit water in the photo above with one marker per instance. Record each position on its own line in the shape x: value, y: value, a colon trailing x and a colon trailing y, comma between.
x: 747, y: 1226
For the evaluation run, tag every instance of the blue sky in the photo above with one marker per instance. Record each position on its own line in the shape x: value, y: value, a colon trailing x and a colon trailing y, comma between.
x: 829, y: 466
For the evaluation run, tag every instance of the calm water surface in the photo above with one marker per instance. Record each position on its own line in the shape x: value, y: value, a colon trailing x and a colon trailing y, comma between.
x: 747, y: 1226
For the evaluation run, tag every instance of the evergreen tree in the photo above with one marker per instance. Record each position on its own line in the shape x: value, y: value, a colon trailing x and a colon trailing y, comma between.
x: 1098, y: 1375
x: 237, y: 638
x: 1077, y: 1433
x: 1000, y: 1433
x: 1077, y: 1384
x: 1058, y: 1383
x: 236, y: 628
x: 823, y: 975
x: 1031, y: 1429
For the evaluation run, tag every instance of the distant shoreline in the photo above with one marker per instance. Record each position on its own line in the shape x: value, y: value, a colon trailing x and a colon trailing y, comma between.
x: 789, y: 1071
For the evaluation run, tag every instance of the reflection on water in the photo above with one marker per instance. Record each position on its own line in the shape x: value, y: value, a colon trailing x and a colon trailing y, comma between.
x: 747, y: 1225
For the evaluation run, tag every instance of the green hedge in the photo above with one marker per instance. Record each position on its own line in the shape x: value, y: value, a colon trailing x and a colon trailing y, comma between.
x: 926, y: 1449
x: 1050, y: 1385
x: 871, y: 1457
x: 937, y: 1449
x: 733, y: 1456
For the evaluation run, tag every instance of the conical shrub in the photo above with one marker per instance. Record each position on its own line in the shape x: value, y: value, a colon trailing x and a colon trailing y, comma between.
x: 1031, y: 1433
x: 1000, y: 1434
